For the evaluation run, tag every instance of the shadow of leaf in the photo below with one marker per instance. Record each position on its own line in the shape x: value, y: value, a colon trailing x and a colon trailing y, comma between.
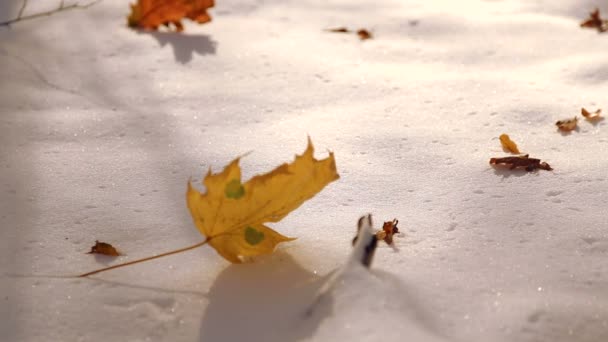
x: 506, y: 172
x: 184, y: 45
x: 262, y: 301
x: 103, y: 259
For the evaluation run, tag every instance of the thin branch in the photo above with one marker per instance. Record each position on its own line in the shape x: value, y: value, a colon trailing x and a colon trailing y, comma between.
x: 145, y: 259
x: 61, y: 8
x: 22, y: 8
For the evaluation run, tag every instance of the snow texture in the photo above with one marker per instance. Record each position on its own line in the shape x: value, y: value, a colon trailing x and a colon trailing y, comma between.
x: 102, y: 126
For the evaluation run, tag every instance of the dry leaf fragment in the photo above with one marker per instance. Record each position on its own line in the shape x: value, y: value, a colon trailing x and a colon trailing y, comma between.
x: 508, y: 144
x: 530, y: 164
x: 150, y: 14
x: 338, y: 30
x: 364, y: 34
x: 567, y: 125
x: 389, y: 228
x: 103, y: 248
x: 233, y: 215
x: 596, y: 22
x: 595, y: 116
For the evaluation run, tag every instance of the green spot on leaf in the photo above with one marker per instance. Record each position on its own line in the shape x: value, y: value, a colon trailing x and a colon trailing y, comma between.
x: 253, y: 236
x: 234, y: 189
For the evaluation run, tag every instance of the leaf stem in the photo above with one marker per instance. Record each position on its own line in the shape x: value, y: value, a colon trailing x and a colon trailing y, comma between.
x: 145, y: 259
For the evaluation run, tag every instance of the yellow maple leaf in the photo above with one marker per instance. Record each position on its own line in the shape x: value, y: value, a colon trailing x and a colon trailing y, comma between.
x: 232, y: 215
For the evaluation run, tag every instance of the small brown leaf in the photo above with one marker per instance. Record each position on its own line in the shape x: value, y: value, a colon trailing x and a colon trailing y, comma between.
x: 103, y: 248
x: 508, y: 145
x: 338, y: 30
x: 595, y: 116
x: 389, y: 228
x: 529, y: 164
x: 364, y: 34
x: 567, y: 125
x: 595, y: 22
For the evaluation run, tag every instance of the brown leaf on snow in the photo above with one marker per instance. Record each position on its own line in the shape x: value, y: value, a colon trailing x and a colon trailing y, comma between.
x: 567, y: 125
x: 338, y: 30
x: 508, y: 145
x: 364, y: 34
x: 389, y: 228
x: 523, y: 161
x: 595, y: 116
x: 150, y: 14
x: 595, y: 22
x: 103, y: 248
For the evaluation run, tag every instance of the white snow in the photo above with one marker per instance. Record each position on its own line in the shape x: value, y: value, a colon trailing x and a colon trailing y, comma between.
x: 102, y: 126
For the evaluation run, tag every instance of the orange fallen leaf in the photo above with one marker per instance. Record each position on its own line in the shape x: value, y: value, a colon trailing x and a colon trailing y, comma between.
x: 508, y: 144
x: 567, y: 125
x: 596, y: 22
x: 103, y: 248
x: 595, y: 116
x: 150, y: 14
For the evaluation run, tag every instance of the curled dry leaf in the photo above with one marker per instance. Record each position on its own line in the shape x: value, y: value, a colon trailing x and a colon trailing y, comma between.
x: 389, y: 228
x: 567, y: 125
x: 364, y: 34
x: 508, y: 144
x: 523, y: 161
x: 595, y: 116
x: 103, y: 248
x: 595, y: 22
x: 233, y: 215
x: 150, y: 14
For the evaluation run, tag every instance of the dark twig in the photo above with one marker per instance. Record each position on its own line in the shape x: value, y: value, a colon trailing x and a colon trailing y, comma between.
x: 22, y: 9
x: 62, y: 7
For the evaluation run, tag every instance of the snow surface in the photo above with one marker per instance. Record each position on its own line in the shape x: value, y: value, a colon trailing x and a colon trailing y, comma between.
x: 102, y: 126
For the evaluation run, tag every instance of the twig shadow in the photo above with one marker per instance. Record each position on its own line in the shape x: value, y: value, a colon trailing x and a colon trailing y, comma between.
x: 145, y: 287
x: 185, y: 45
x: 263, y: 301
